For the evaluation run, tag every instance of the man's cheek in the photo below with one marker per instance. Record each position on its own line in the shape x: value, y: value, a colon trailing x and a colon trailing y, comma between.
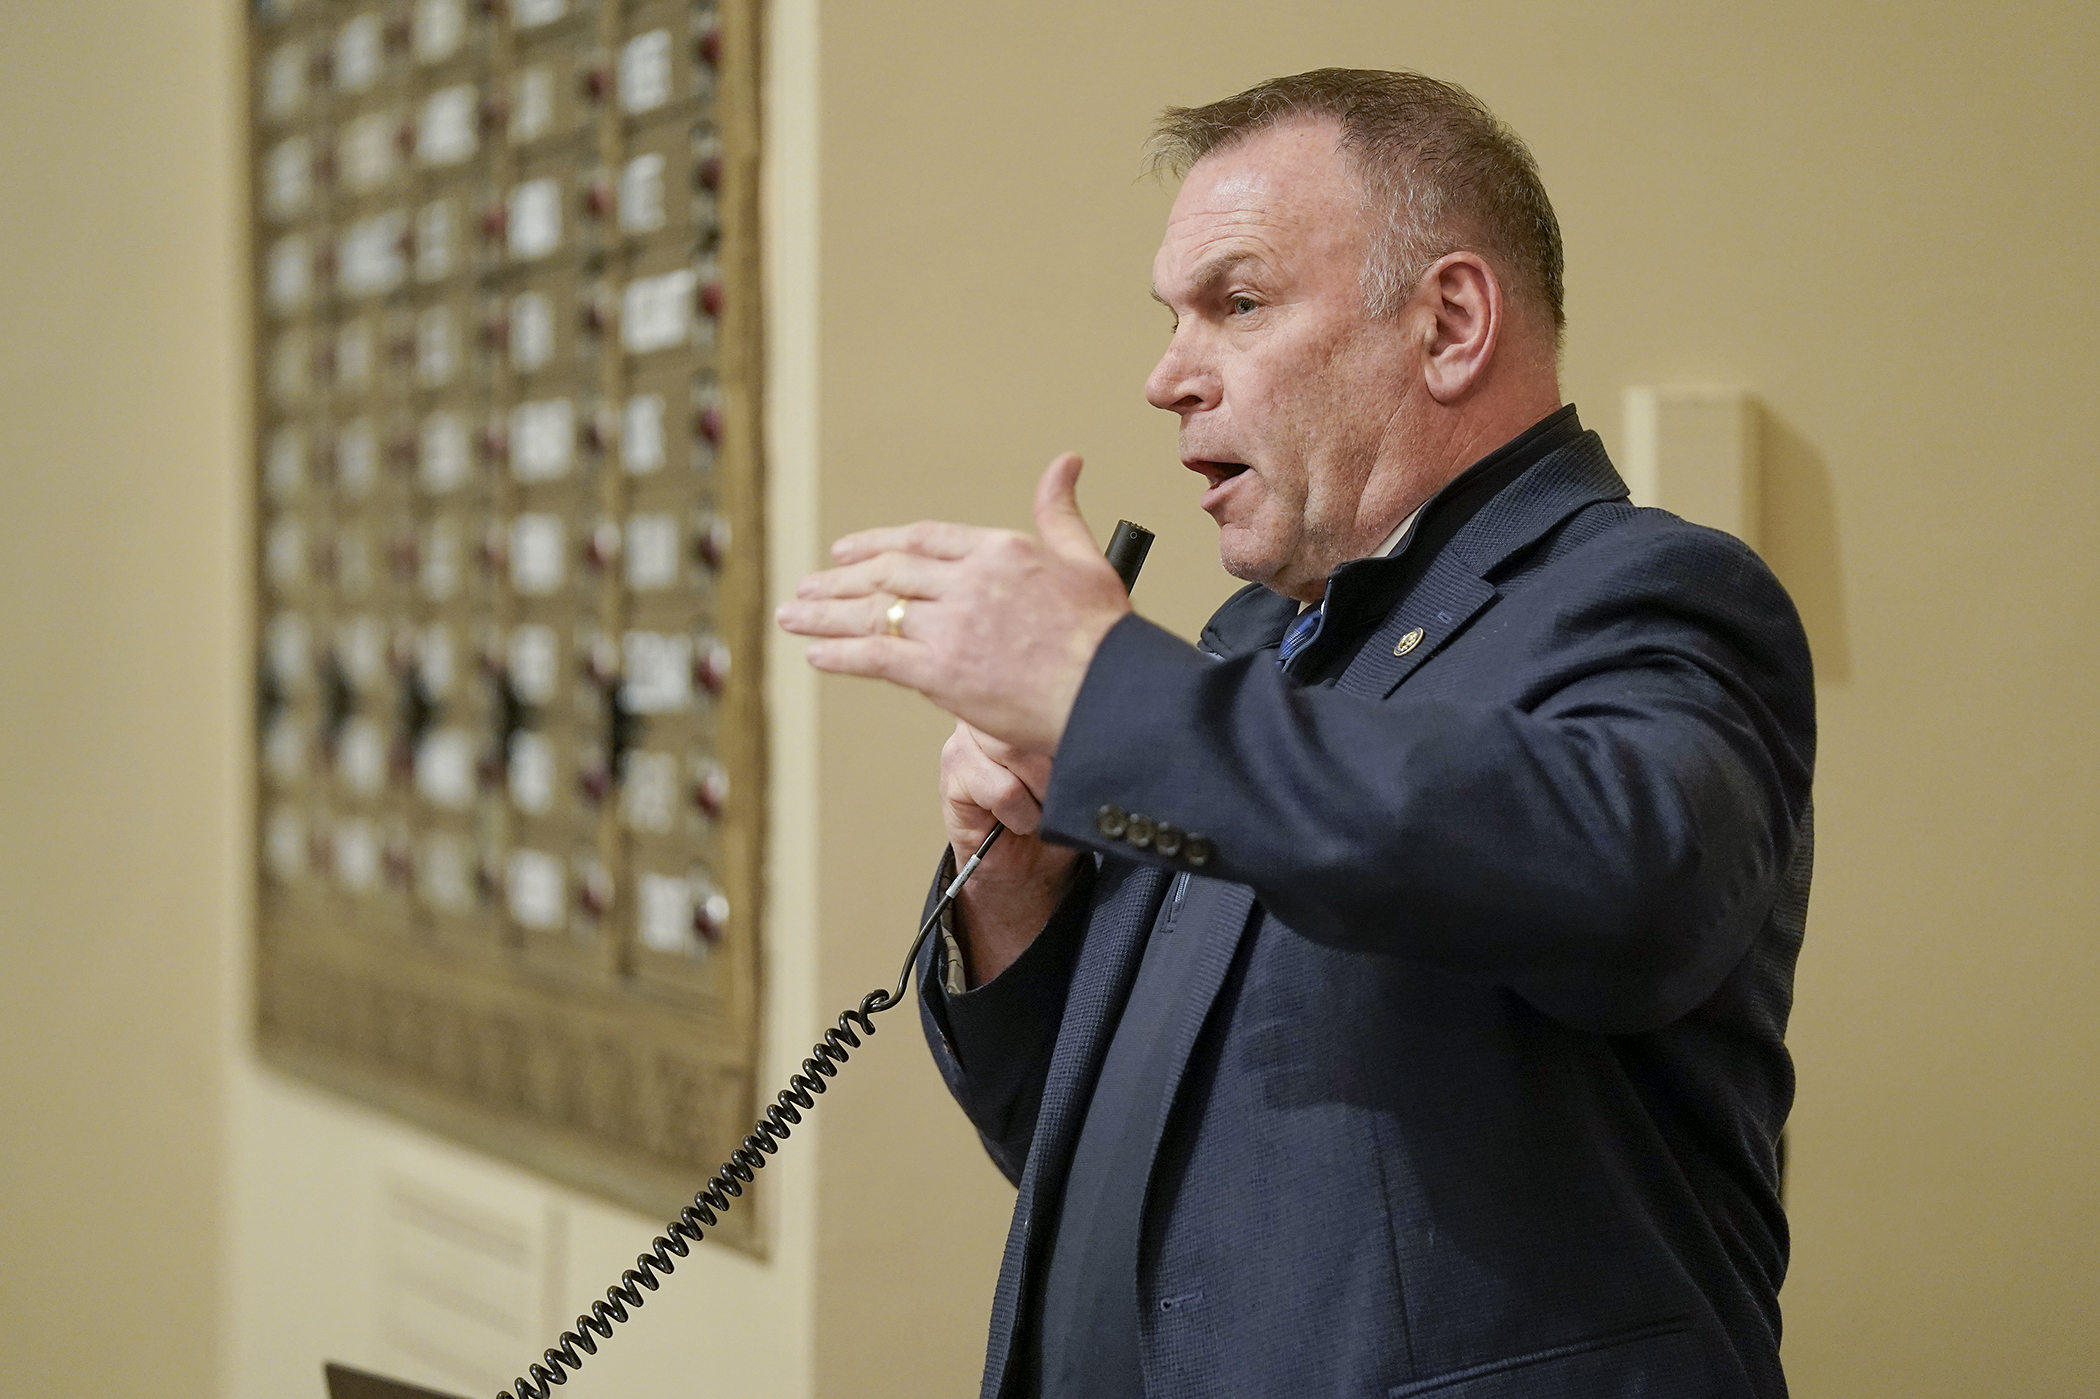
x: 1255, y: 512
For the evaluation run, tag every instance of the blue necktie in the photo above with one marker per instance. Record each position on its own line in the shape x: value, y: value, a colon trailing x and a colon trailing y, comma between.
x: 1300, y: 635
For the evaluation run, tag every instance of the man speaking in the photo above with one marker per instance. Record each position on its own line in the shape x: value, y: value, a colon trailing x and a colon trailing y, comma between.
x: 1387, y: 995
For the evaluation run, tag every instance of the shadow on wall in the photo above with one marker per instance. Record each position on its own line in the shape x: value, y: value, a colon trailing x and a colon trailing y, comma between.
x: 1797, y: 527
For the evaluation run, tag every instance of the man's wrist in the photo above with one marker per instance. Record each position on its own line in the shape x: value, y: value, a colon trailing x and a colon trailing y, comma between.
x: 992, y: 922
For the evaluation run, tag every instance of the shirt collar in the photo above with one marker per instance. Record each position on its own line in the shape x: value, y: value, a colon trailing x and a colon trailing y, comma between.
x: 1390, y: 543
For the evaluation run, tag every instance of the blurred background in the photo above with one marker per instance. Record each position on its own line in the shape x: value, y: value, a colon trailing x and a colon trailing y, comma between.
x: 1880, y: 219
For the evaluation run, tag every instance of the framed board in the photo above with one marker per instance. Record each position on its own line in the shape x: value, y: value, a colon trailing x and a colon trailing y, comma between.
x: 512, y: 747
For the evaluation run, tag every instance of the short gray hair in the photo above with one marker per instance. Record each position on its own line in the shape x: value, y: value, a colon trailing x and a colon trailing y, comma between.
x: 1440, y: 173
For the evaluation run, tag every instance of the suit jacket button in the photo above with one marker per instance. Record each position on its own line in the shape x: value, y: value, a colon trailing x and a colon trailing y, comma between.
x: 1167, y: 839
x: 1140, y: 830
x: 1198, y: 850
x: 1110, y: 821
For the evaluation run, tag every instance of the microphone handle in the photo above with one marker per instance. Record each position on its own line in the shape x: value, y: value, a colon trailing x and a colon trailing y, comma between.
x: 1126, y: 551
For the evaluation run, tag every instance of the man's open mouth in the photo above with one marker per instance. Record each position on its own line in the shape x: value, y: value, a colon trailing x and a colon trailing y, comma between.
x: 1215, y: 472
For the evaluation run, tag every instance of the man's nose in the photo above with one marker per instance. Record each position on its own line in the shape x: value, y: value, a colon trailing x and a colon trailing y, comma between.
x: 1180, y: 382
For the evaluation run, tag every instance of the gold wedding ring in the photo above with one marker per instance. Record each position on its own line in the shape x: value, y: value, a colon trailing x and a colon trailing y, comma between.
x: 895, y: 616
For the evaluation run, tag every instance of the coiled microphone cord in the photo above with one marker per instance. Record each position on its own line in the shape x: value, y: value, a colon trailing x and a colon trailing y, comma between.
x: 773, y: 1127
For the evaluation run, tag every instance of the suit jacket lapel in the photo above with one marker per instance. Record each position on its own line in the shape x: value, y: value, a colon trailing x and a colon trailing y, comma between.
x: 1221, y: 920
x: 1100, y: 988
x: 1125, y: 908
x: 1436, y: 610
x: 1454, y: 586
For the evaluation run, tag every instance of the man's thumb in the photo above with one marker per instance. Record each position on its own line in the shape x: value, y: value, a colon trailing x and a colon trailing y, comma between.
x: 1057, y: 517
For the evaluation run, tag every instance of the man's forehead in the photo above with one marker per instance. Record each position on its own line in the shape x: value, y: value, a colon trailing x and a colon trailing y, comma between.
x: 1257, y: 200
x: 1279, y: 173
x: 1239, y: 188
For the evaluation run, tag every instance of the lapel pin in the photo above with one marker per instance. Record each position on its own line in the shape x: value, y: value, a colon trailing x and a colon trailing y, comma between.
x: 1408, y: 643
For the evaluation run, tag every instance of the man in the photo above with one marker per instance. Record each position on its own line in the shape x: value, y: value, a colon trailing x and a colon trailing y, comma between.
x: 1390, y: 1000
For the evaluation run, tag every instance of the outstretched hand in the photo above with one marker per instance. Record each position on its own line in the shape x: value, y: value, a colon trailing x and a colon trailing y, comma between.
x: 997, y: 628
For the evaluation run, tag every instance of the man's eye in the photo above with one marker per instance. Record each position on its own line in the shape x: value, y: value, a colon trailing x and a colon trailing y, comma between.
x: 1244, y: 306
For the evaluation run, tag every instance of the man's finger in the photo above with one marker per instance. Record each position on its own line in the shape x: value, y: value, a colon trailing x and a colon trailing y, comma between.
x: 876, y: 657
x: 1032, y: 768
x: 935, y: 539
x: 993, y: 787
x: 1057, y: 519
x: 867, y: 615
x: 1008, y: 799
x: 899, y: 575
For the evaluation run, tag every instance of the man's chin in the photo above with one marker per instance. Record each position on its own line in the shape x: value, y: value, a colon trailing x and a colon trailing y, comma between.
x: 1253, y: 565
x: 1243, y: 555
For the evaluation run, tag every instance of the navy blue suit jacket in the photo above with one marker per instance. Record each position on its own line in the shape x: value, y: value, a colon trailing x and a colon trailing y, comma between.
x: 1480, y: 1093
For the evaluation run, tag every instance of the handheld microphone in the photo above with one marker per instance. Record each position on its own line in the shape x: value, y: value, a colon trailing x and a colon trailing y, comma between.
x: 1126, y: 551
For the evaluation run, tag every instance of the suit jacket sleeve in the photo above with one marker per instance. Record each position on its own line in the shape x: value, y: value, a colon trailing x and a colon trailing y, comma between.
x: 1605, y: 838
x: 993, y: 1043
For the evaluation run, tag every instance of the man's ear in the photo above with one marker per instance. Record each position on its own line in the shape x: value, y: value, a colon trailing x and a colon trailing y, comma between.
x: 1460, y: 302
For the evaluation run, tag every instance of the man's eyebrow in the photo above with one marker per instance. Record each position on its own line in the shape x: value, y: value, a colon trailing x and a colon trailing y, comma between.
x: 1210, y: 274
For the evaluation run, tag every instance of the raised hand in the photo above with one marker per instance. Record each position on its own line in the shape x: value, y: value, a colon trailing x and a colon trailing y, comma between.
x: 994, y: 626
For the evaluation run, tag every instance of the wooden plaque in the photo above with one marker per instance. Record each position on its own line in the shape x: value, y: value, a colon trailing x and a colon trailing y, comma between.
x: 509, y: 569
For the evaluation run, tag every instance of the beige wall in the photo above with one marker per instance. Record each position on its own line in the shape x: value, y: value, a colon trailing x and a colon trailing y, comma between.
x: 122, y: 690
x: 1878, y: 217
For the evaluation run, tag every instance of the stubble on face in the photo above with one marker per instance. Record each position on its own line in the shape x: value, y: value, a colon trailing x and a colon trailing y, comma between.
x: 1293, y: 399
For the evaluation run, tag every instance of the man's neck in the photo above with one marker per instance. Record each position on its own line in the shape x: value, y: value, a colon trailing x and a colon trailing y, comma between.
x: 1518, y: 443
x: 1459, y: 439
